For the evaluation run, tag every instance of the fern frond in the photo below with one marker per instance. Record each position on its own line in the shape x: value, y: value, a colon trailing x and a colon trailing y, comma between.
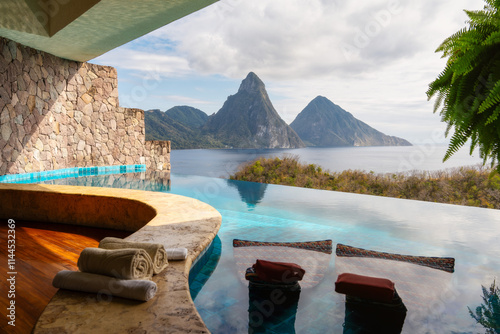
x: 458, y: 140
x: 480, y: 17
x: 449, y: 43
x: 442, y: 81
x: 473, y: 144
x: 494, y: 116
x: 439, y: 99
x: 468, y: 89
x: 492, y: 99
x: 492, y: 39
x: 466, y: 62
x: 448, y: 128
x: 474, y: 37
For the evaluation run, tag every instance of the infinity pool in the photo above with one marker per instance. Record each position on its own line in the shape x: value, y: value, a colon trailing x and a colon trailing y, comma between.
x: 277, y: 213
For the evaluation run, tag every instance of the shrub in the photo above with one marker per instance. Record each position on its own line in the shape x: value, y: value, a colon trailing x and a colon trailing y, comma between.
x: 475, y: 186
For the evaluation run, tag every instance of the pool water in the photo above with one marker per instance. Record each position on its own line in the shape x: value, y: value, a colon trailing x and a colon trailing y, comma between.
x: 278, y: 213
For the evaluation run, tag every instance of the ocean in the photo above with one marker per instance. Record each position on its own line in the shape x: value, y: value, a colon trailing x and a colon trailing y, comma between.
x: 378, y: 159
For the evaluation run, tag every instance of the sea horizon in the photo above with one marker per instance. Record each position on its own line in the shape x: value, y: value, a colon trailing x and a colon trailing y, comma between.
x: 377, y: 159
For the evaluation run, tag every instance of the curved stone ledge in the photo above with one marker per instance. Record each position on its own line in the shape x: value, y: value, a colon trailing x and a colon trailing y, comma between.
x: 175, y: 221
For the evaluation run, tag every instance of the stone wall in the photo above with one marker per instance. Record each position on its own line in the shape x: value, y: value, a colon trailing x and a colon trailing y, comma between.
x: 56, y: 113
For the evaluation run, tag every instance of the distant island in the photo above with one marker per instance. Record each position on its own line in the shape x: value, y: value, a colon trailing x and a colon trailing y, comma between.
x: 323, y: 123
x: 248, y: 120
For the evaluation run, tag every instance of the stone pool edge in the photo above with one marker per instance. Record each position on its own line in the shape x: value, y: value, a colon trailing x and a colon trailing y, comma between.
x: 174, y: 220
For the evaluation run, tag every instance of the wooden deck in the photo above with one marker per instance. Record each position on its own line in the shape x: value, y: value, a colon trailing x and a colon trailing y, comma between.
x: 41, y: 250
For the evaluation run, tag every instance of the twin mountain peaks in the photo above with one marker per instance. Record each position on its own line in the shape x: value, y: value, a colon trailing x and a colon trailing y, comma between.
x: 248, y: 120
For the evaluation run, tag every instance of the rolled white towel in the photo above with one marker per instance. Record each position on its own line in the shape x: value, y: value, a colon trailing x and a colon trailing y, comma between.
x: 176, y: 253
x: 155, y: 251
x: 132, y: 289
x: 127, y: 263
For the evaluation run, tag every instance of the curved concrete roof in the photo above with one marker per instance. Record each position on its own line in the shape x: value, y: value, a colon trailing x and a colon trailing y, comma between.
x: 84, y: 29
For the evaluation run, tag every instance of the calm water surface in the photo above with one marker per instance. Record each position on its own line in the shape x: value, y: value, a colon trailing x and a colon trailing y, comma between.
x: 263, y: 212
x: 379, y: 159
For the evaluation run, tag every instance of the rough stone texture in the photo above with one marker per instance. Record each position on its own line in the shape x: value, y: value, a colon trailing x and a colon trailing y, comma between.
x: 172, y: 220
x: 56, y: 113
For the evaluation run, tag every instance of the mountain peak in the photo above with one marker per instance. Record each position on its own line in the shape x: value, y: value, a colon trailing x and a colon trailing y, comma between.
x: 249, y: 120
x: 323, y: 123
x: 251, y: 83
x: 320, y: 98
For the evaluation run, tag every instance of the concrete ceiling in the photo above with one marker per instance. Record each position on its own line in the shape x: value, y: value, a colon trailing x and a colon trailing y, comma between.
x: 84, y: 29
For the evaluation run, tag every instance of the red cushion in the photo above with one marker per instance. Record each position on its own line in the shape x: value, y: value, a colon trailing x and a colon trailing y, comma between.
x: 375, y: 288
x: 278, y: 271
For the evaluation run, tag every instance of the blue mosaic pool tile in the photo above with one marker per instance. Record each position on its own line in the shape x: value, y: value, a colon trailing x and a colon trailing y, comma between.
x: 195, y: 286
x: 204, y: 313
x: 203, y: 267
x: 37, y: 177
x: 229, y: 302
x: 213, y: 320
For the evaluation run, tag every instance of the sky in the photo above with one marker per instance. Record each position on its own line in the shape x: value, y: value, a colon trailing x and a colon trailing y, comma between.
x: 375, y: 59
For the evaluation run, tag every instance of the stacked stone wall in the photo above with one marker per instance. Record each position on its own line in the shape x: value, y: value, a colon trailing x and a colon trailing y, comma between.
x: 57, y: 113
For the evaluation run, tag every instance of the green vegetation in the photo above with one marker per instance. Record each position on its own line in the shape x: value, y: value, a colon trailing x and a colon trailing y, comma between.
x: 469, y: 87
x: 488, y: 313
x: 189, y: 116
x: 248, y: 120
x: 464, y: 186
x: 173, y: 125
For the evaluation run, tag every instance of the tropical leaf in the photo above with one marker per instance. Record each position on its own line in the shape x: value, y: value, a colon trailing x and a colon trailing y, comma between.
x: 493, y: 116
x: 467, y: 91
x: 439, y: 99
x: 458, y: 140
x: 473, y: 144
x: 493, y: 39
x: 492, y: 99
x: 450, y: 44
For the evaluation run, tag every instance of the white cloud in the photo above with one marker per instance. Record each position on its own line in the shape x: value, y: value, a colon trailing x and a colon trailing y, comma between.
x: 290, y: 39
x: 148, y: 64
x: 183, y: 99
x: 375, y: 59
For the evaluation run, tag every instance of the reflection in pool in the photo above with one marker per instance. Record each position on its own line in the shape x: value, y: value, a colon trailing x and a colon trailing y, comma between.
x: 278, y: 213
x: 251, y: 193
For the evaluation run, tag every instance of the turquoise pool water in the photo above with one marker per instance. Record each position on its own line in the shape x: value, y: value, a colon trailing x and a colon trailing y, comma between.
x: 48, y: 175
x: 277, y: 213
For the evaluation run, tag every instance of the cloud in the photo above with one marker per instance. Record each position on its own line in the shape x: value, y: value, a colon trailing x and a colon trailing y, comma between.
x: 288, y: 39
x: 147, y: 64
x: 375, y: 59
x: 291, y: 39
x: 183, y: 99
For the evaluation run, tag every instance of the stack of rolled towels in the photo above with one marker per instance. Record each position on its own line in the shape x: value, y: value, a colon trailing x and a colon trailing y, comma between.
x: 155, y: 253
x: 142, y: 290
x: 119, y: 268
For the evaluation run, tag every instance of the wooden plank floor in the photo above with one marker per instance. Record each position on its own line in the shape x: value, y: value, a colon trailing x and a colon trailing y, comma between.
x: 41, y: 250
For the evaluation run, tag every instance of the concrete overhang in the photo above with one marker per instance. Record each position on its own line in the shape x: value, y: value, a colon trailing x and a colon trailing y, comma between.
x: 84, y: 29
